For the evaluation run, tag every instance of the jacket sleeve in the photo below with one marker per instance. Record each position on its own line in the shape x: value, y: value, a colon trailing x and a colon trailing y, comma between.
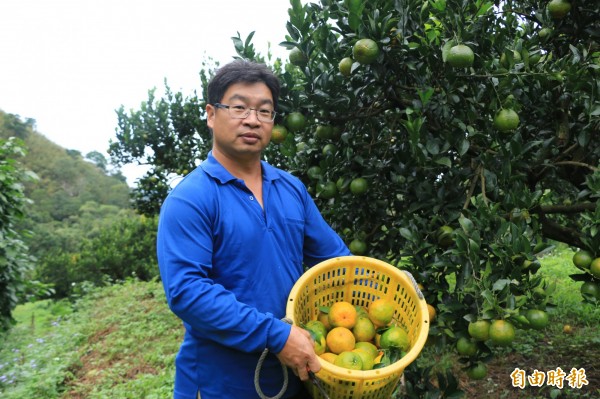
x: 184, y: 249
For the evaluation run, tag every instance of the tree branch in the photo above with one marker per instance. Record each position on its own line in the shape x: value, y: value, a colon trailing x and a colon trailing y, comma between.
x: 555, y: 231
x: 472, y: 186
x: 565, y: 209
x: 575, y: 163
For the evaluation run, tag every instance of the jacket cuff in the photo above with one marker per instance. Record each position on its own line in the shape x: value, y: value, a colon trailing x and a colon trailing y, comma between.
x: 278, y: 335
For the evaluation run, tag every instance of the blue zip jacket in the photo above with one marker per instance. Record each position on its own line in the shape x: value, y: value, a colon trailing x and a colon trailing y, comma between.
x: 228, y: 266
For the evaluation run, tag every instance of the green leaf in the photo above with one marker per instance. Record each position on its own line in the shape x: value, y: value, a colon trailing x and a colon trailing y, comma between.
x: 407, y: 234
x: 466, y: 224
x: 446, y: 48
x: 484, y: 8
x: 463, y: 147
x: 425, y: 95
x: 444, y: 161
x: 500, y: 284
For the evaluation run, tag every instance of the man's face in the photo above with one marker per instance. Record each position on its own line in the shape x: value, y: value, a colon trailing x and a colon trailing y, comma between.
x: 241, y: 138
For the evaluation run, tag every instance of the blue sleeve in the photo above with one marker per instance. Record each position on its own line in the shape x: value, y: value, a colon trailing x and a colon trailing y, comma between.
x: 184, y: 248
x: 321, y: 242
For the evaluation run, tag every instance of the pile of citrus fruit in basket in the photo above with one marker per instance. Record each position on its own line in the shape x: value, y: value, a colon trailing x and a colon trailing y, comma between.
x: 358, y: 338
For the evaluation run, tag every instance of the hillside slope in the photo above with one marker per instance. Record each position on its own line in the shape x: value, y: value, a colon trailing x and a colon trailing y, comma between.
x: 66, y: 179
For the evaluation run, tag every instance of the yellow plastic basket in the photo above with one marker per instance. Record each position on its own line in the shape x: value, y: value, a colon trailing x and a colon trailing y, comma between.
x: 360, y: 280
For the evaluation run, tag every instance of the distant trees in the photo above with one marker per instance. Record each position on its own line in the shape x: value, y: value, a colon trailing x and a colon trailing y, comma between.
x: 79, y: 222
x: 115, y: 247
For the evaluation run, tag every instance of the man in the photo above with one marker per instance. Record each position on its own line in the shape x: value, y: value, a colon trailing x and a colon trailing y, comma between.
x: 232, y: 240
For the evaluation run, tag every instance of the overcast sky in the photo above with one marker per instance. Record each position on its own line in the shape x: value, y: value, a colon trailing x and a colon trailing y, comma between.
x: 69, y: 64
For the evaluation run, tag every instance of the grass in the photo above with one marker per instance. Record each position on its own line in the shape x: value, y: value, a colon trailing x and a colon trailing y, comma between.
x: 120, y: 342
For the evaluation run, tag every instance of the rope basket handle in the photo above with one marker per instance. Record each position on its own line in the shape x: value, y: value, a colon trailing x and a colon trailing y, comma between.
x: 414, y: 283
x: 259, y: 367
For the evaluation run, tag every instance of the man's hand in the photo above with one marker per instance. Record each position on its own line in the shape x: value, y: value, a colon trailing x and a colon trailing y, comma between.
x: 299, y: 353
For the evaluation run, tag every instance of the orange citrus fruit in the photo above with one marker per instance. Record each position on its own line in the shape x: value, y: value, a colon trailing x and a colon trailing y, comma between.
x: 460, y: 56
x: 363, y: 330
x: 326, y: 190
x: 316, y: 326
x: 340, y: 339
x: 595, y: 268
x: 558, y: 9
x: 365, y: 51
x: 367, y: 346
x: 314, y: 172
x: 506, y: 120
x: 345, y: 66
x: 278, y: 134
x: 477, y: 372
x: 538, y: 319
x: 591, y: 289
x: 582, y: 259
x: 359, y: 186
x: 567, y: 329
x: 381, y: 312
x: 502, y: 332
x: 349, y: 360
x: 479, y: 330
x: 297, y: 57
x: 444, y: 236
x: 395, y: 337
x: 357, y: 247
x: 329, y: 149
x: 342, y: 314
x: 516, y: 58
x: 343, y: 184
x: 544, y: 32
x: 324, y: 132
x: 361, y: 311
x: 295, y: 122
x: 466, y: 347
x: 431, y: 311
x: 323, y: 317
x: 328, y: 356
x: 368, y: 360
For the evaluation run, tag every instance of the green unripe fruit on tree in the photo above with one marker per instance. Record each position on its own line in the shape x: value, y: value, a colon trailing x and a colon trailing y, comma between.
x: 298, y: 58
x: 477, y: 372
x: 460, y: 56
x: 295, y: 122
x: 558, y: 9
x: 357, y: 247
x: 506, y: 120
x: 345, y: 66
x: 359, y: 186
x: 365, y: 51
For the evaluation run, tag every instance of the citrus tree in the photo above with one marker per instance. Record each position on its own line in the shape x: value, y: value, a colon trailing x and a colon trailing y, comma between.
x: 15, y: 263
x: 455, y: 139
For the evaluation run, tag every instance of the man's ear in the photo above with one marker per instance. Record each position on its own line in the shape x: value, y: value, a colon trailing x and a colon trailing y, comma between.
x: 210, y: 115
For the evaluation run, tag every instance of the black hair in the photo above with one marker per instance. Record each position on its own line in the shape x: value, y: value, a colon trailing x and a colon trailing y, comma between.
x: 242, y: 71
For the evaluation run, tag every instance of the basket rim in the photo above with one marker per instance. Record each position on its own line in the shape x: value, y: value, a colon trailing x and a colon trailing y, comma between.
x: 394, y: 368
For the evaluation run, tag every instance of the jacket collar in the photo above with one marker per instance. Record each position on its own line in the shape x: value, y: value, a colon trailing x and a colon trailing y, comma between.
x: 214, y: 169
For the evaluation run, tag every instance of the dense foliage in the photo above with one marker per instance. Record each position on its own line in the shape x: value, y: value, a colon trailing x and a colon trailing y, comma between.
x: 405, y: 152
x: 15, y: 263
x: 124, y: 248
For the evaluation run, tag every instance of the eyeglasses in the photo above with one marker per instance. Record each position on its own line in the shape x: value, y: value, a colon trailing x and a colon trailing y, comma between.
x: 242, y: 112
